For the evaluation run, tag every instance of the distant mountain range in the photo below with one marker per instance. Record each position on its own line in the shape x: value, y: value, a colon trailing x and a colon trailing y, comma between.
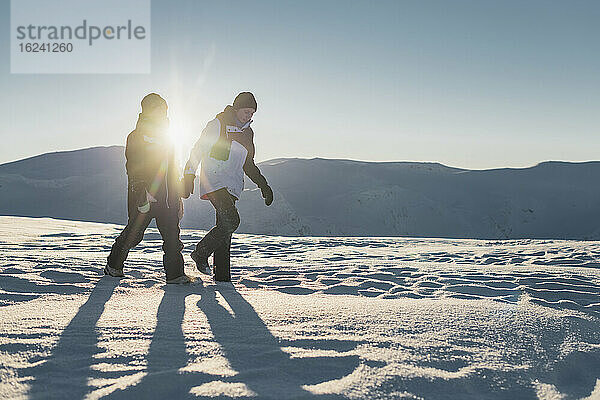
x: 325, y: 197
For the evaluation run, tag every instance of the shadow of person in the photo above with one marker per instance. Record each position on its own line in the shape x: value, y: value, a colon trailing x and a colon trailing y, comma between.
x: 65, y: 373
x: 256, y: 354
x: 167, y: 353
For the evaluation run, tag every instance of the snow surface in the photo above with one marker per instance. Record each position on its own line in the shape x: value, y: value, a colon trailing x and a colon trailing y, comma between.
x: 356, y: 318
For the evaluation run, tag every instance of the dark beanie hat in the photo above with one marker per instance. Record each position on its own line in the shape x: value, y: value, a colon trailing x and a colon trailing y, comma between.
x: 152, y: 101
x: 245, y: 100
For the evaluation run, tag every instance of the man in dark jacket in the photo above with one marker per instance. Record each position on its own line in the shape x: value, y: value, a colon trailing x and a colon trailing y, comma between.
x: 154, y: 191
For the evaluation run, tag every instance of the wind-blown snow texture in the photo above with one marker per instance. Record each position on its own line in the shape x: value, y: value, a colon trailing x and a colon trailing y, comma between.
x: 334, y: 197
x: 356, y: 318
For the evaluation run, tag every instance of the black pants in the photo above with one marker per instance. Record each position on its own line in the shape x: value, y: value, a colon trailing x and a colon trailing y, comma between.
x: 167, y: 222
x: 218, y: 240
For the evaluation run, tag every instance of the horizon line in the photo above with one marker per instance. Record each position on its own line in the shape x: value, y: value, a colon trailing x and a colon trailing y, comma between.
x: 331, y: 159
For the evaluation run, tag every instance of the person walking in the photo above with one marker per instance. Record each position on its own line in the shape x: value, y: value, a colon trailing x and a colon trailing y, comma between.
x: 153, y: 192
x: 226, y: 151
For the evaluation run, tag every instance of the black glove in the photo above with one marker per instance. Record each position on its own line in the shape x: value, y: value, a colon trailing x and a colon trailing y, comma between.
x: 188, y: 185
x: 267, y: 194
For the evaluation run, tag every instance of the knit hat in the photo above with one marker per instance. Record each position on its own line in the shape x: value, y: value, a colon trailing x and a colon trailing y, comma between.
x: 245, y: 100
x: 153, y: 101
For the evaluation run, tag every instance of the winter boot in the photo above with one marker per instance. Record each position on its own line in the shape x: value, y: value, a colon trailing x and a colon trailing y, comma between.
x: 117, y: 273
x: 201, y: 262
x: 181, y: 280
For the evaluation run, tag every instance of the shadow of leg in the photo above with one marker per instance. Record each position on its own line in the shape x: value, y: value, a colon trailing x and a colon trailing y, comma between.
x: 256, y: 354
x: 167, y: 353
x: 65, y: 373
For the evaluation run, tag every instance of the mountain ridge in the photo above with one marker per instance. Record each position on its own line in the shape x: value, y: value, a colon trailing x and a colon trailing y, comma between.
x: 334, y: 197
x: 121, y: 148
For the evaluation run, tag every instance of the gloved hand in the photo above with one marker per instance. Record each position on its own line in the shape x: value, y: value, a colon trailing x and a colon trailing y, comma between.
x: 188, y: 185
x: 267, y: 194
x: 144, y: 208
x: 138, y: 187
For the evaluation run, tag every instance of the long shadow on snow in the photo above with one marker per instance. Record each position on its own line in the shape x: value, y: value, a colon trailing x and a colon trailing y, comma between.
x: 256, y: 354
x: 167, y: 353
x: 64, y: 374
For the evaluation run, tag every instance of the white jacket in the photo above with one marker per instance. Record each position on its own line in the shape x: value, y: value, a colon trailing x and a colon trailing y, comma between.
x: 217, y: 174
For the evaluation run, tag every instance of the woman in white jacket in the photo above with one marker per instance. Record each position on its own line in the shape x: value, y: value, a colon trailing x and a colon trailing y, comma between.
x: 226, y: 151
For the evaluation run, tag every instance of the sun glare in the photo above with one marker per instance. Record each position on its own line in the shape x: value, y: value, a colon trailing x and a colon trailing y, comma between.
x: 175, y: 131
x: 179, y: 132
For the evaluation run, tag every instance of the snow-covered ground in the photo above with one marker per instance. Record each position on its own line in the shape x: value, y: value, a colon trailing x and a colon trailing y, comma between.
x: 358, y: 318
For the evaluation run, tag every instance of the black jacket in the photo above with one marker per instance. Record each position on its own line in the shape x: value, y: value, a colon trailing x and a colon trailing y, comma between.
x: 151, y: 164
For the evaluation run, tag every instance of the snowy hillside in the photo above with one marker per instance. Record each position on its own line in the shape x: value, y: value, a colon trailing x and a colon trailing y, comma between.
x: 331, y: 318
x: 335, y: 197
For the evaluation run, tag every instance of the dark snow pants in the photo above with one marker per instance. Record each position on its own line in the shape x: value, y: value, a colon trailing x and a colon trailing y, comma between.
x: 167, y: 222
x: 218, y: 240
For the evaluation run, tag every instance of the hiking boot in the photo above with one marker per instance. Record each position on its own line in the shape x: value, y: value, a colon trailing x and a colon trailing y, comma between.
x: 117, y: 273
x: 201, y: 263
x: 181, y: 280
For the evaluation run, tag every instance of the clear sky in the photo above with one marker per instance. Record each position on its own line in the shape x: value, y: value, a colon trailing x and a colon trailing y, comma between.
x: 475, y: 84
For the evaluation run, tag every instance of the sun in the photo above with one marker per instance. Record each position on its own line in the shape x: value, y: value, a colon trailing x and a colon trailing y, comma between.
x: 179, y: 133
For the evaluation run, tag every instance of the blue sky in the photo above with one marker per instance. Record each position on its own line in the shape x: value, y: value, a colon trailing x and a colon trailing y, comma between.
x: 475, y: 84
